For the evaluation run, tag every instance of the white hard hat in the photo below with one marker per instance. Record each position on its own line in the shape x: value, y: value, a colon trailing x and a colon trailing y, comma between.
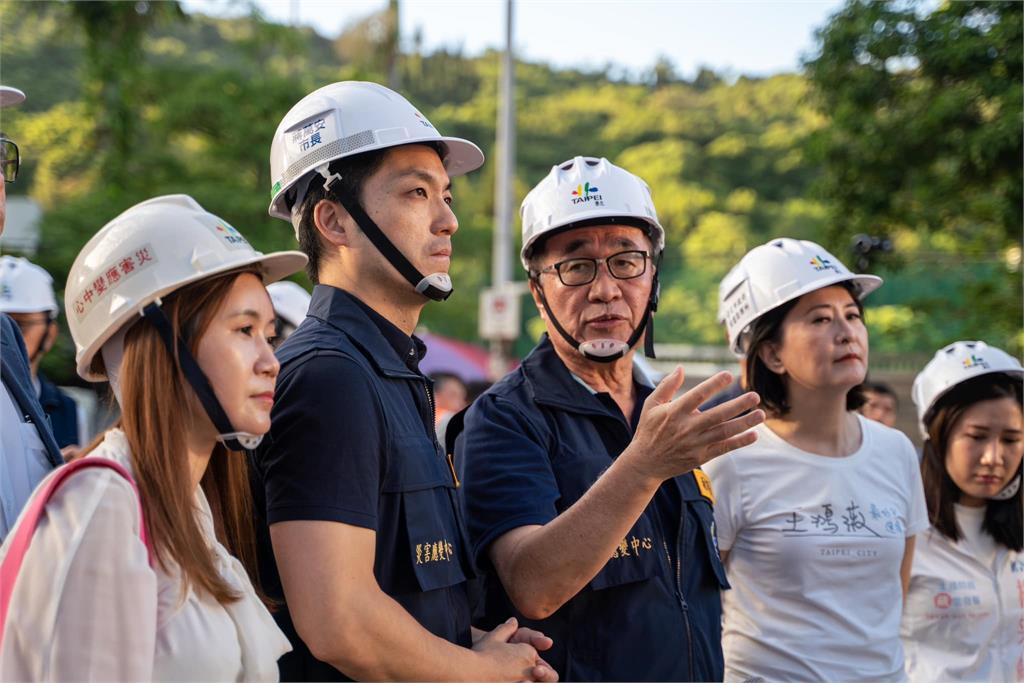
x: 956, y: 363
x: 347, y: 118
x: 291, y: 301
x: 775, y: 273
x: 586, y: 189
x: 25, y: 287
x: 149, y: 251
x: 10, y: 96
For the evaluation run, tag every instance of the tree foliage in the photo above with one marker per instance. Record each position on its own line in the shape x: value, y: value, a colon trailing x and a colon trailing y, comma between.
x: 165, y: 102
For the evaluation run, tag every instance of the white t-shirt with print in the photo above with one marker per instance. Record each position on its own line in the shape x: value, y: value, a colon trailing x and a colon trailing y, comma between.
x: 964, y: 616
x: 815, y: 545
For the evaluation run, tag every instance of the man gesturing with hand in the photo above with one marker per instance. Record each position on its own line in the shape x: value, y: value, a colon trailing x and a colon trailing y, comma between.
x: 581, y: 484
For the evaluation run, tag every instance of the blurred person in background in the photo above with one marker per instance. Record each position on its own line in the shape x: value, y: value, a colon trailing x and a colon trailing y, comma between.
x: 817, y: 519
x: 964, y: 615
x: 880, y: 403
x: 26, y: 295
x: 450, y: 396
x: 291, y: 301
x: 94, y: 600
x: 586, y: 505
x: 28, y: 449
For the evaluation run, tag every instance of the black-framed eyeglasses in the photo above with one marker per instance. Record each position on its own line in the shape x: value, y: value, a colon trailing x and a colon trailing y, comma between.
x: 9, y: 159
x: 574, y: 272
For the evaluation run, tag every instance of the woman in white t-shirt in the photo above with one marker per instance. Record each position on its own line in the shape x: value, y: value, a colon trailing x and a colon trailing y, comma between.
x: 194, y: 376
x: 816, y: 519
x: 964, y: 615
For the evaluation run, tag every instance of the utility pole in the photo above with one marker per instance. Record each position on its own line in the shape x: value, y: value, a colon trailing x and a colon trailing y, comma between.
x: 501, y: 251
x: 394, y: 46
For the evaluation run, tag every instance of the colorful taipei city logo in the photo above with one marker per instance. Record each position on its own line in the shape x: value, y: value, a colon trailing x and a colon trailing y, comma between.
x: 587, y: 193
x: 975, y: 362
x: 230, y: 235
x: 821, y: 264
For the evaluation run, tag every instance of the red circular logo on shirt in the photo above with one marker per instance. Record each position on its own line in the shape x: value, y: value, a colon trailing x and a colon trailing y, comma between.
x: 943, y: 600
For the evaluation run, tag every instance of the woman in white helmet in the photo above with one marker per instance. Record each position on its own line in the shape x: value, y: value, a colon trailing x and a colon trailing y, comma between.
x: 816, y: 520
x: 168, y: 303
x: 964, y: 615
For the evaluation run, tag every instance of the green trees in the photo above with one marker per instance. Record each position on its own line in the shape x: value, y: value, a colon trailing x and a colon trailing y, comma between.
x: 924, y: 144
x: 907, y: 124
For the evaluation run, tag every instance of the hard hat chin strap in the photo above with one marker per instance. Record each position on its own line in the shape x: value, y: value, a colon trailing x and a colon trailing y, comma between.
x: 435, y: 286
x: 1011, y: 489
x: 233, y: 440
x: 609, y: 350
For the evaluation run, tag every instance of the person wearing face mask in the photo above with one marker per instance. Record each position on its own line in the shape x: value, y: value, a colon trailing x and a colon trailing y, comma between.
x: 28, y: 449
x: 964, y: 615
x: 817, y: 519
x: 166, y: 302
x: 26, y: 295
x: 586, y: 505
x: 362, y: 541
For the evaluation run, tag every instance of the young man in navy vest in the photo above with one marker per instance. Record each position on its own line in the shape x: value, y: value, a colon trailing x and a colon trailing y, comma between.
x: 371, y: 562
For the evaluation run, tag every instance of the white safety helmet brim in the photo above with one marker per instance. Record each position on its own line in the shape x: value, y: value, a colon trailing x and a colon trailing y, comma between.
x: 953, y: 365
x: 610, y: 194
x: 461, y: 157
x: 775, y: 273
x: 276, y: 266
x: 144, y: 254
x: 345, y: 119
x: 25, y: 287
x: 863, y: 285
x: 291, y: 301
x: 10, y: 97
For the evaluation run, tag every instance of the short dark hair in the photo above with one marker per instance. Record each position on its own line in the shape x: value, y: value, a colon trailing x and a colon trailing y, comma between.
x: 880, y: 388
x: 354, y: 172
x: 444, y: 376
x: 771, y: 387
x: 1003, y: 518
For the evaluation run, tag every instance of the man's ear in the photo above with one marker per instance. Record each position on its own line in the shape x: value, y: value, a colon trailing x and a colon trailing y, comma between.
x: 51, y: 336
x: 768, y: 352
x: 535, y: 293
x: 334, y: 223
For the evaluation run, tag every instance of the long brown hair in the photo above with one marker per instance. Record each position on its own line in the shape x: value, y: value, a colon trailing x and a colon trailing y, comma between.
x: 159, y: 409
x: 1003, y: 518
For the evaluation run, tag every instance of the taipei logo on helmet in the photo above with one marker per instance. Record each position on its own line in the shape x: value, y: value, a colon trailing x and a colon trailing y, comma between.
x: 423, y: 121
x: 587, y: 193
x: 821, y: 264
x: 975, y: 362
x: 230, y: 235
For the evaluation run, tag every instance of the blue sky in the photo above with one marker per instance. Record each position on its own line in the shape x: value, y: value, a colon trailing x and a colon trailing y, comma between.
x: 737, y: 38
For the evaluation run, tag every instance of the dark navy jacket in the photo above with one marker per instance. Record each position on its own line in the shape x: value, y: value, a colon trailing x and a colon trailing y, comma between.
x: 17, y: 377
x: 352, y: 440
x: 532, y: 446
x: 61, y: 410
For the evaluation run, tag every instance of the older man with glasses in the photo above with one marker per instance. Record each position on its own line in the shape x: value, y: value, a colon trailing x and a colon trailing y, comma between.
x: 586, y: 506
x: 28, y: 450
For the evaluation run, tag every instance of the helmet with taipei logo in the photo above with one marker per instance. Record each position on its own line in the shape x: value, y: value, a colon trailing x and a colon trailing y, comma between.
x: 772, y: 274
x: 587, y: 191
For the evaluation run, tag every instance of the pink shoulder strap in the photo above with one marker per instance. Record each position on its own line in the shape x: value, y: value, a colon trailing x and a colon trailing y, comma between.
x: 22, y: 538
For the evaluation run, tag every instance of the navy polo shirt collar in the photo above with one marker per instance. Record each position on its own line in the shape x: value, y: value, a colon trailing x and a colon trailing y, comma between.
x: 392, y: 351
x: 550, y: 383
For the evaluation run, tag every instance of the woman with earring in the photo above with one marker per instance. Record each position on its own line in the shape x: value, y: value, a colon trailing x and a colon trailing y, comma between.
x: 964, y: 615
x: 167, y: 302
x: 816, y: 519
